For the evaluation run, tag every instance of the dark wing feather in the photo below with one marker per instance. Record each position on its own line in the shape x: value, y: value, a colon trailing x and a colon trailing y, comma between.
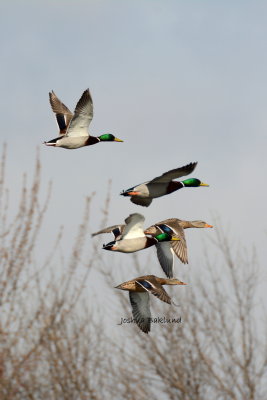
x: 175, y: 173
x: 141, y: 309
x: 145, y: 202
x: 115, y: 229
x: 63, y: 114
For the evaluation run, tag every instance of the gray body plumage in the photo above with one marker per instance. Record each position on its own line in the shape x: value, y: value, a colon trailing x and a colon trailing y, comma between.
x: 158, y: 186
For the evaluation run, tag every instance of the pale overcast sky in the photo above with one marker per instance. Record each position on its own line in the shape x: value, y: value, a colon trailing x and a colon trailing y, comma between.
x: 178, y: 81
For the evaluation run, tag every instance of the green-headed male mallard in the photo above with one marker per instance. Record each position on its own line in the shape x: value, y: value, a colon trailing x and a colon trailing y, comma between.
x: 73, y: 128
x: 139, y: 289
x: 166, y: 250
x: 144, y: 193
x: 133, y: 238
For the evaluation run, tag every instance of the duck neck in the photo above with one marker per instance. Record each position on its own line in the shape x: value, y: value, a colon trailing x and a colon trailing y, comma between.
x: 174, y: 185
x: 162, y: 281
x: 150, y: 241
x: 92, y: 140
x: 185, y: 224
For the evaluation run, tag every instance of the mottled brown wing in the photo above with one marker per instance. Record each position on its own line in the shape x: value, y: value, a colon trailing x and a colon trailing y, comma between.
x: 155, y: 230
x: 179, y: 246
x: 155, y: 289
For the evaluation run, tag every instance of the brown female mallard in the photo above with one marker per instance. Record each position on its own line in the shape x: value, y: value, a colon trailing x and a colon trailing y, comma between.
x: 175, y: 227
x: 139, y: 289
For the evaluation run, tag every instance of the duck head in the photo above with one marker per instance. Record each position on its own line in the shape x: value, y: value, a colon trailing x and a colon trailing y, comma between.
x: 200, y: 224
x: 129, y: 285
x: 173, y: 281
x: 108, y: 137
x: 165, y: 237
x: 193, y: 182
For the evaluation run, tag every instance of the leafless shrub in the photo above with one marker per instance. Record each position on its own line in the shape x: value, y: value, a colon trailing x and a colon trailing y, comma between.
x: 54, y: 343
x: 48, y: 332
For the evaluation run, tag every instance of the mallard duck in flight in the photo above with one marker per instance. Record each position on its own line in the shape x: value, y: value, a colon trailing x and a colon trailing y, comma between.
x: 73, y: 128
x: 139, y: 290
x: 144, y: 193
x: 132, y: 237
x: 166, y: 250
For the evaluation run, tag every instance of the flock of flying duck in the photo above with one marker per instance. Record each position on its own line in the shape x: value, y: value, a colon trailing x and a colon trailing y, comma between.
x: 168, y: 235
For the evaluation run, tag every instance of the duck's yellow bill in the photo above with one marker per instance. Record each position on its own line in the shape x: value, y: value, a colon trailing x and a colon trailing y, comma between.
x: 203, y: 184
x: 175, y: 238
x: 117, y: 140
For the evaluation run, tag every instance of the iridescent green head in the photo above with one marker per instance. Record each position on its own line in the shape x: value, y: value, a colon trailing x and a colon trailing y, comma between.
x: 193, y: 182
x: 108, y: 137
x: 165, y: 237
